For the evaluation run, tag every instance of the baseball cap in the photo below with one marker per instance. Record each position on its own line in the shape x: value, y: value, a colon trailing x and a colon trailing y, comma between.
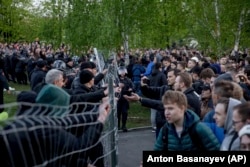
x: 195, y: 59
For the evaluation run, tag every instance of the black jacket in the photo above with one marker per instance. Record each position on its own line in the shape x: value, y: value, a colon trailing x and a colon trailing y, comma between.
x: 83, y: 89
x: 98, y: 78
x: 155, y: 93
x: 198, y: 85
x: 31, y: 64
x: 76, y: 82
x: 13, y: 61
x: 93, y: 97
x: 33, y: 141
x: 128, y: 84
x: 157, y: 78
x: 155, y: 104
x: 86, y: 107
x: 3, y: 85
x: 37, y: 76
x: 193, y: 100
x: 7, y: 63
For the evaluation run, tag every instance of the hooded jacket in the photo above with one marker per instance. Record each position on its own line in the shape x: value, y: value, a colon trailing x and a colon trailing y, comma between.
x: 229, y: 130
x: 51, y: 94
x: 225, y: 76
x: 46, y: 98
x: 56, y: 98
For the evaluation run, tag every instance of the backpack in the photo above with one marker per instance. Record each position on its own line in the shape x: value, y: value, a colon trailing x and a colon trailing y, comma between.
x: 192, y: 133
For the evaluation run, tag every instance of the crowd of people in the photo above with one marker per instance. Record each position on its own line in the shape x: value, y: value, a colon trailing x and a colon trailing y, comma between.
x: 58, y: 87
x: 215, y: 91
x: 196, y: 102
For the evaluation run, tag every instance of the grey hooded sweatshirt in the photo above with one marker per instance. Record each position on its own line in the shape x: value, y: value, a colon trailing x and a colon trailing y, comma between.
x: 229, y: 130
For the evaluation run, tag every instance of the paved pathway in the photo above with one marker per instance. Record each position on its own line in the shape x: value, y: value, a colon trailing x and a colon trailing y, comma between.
x: 131, y: 145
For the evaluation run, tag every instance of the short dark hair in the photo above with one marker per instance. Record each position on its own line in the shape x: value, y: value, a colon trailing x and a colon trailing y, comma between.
x: 175, y: 71
x: 176, y: 56
x: 243, y: 110
x: 207, y: 73
x: 224, y: 88
x: 197, y: 70
x: 224, y: 101
x: 41, y: 63
x: 93, y: 65
x: 186, y: 78
x: 166, y: 58
x: 151, y: 57
x: 182, y: 63
x: 157, y: 65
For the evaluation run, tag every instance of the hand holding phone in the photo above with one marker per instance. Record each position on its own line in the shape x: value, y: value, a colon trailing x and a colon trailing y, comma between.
x: 144, y: 81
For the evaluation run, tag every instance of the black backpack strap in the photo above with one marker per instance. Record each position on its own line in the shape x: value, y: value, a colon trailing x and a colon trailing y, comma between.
x: 235, y: 136
x: 195, y: 137
x: 165, y: 136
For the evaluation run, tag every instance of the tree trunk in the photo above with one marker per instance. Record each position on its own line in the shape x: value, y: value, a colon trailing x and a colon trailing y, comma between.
x: 238, y: 33
x: 126, y: 49
x: 217, y: 32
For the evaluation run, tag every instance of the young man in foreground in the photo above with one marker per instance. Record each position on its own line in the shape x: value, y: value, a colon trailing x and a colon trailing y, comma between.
x: 183, y: 130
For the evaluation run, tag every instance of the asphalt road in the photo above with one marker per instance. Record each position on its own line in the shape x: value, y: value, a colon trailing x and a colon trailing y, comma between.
x: 131, y: 145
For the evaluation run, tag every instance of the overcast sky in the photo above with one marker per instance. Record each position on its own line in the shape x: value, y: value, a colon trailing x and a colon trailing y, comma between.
x: 36, y: 2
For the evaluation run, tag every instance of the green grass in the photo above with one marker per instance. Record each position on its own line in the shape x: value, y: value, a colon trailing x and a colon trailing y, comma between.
x: 138, y: 116
x: 9, y: 98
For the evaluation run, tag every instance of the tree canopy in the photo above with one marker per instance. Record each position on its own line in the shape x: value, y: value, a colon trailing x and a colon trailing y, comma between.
x: 217, y: 25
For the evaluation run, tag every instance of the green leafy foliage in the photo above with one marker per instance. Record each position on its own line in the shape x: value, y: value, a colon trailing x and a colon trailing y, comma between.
x: 147, y: 23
